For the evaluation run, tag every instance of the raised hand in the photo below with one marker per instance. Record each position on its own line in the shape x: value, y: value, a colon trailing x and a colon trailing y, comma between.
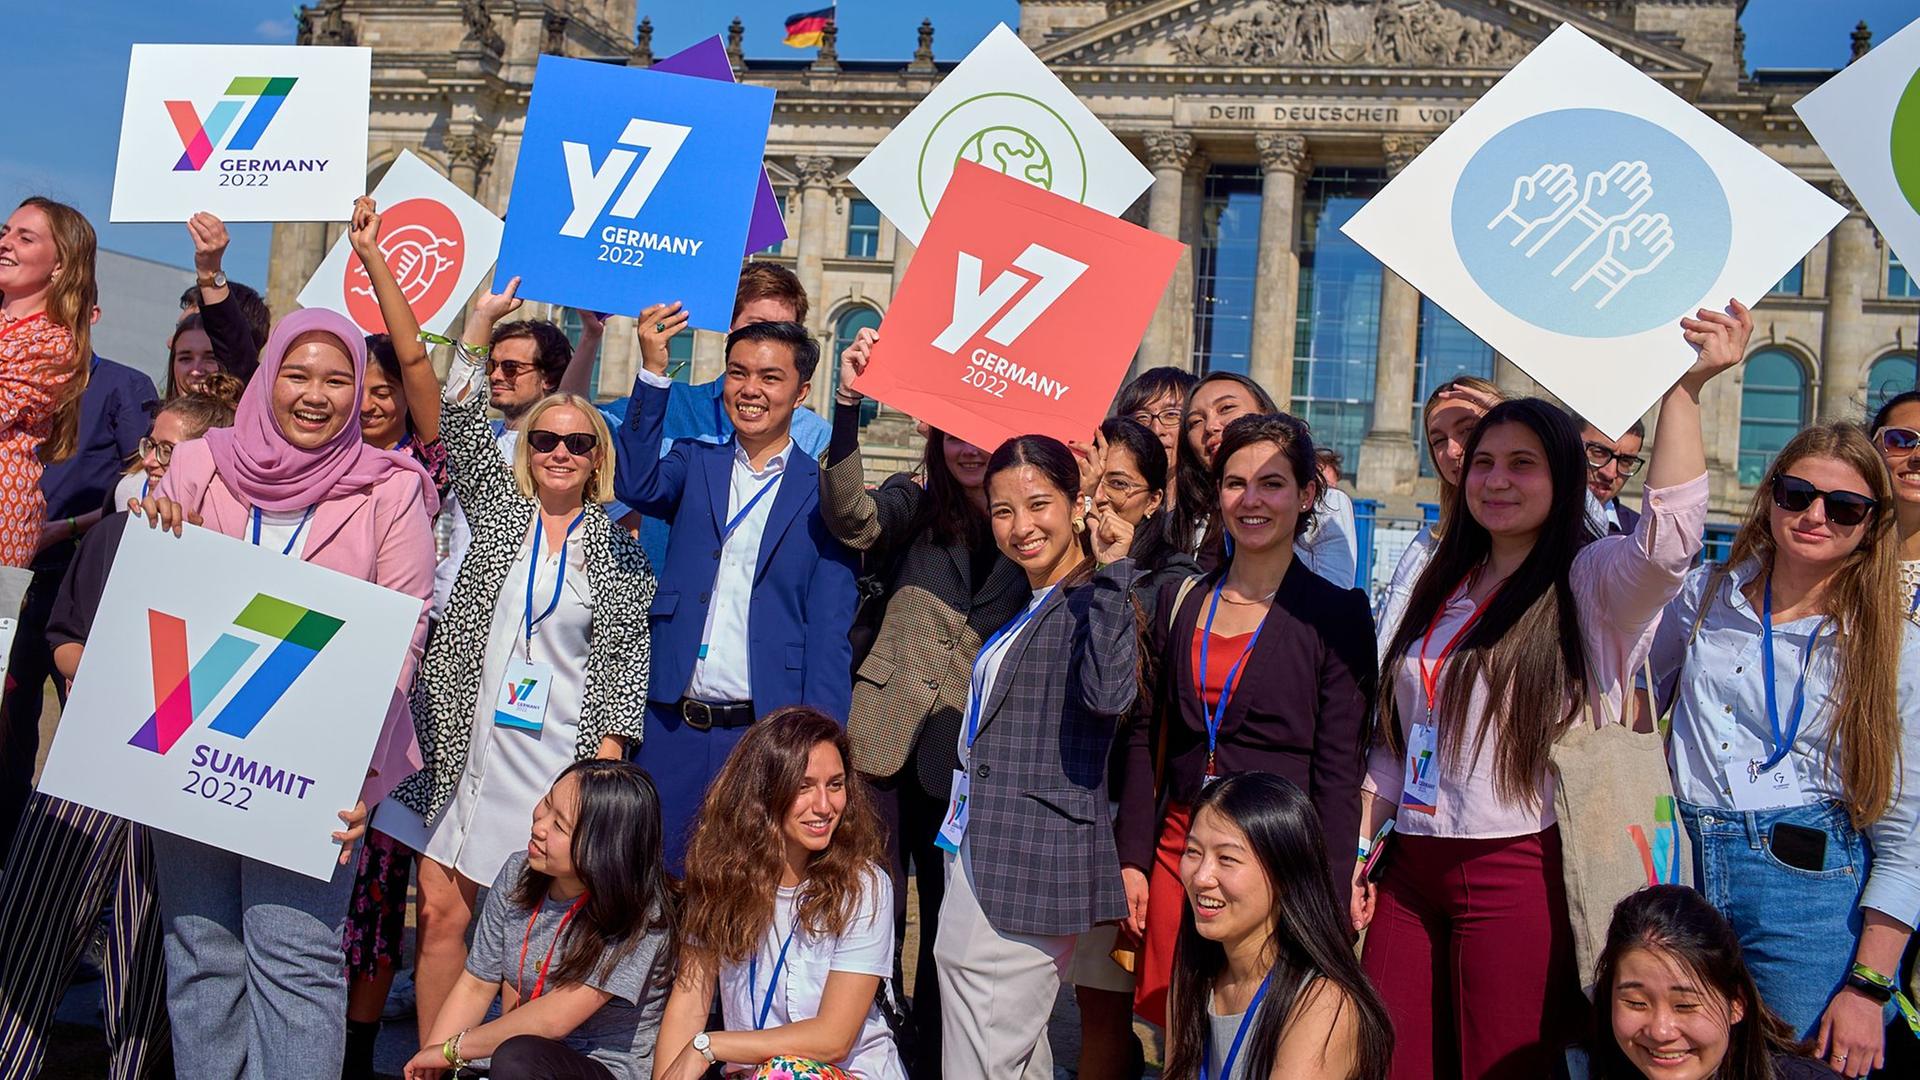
x: 656, y: 325
x: 1538, y: 199
x: 1092, y: 459
x: 364, y: 232
x: 494, y: 306
x: 853, y: 364
x: 1112, y: 536
x: 209, y: 242
x: 1720, y: 338
x: 1632, y: 251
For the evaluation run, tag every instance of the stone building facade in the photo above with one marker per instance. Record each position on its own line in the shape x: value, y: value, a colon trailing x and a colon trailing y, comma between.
x: 1265, y: 123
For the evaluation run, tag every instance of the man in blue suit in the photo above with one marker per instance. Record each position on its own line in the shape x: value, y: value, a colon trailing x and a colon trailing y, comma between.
x: 756, y: 598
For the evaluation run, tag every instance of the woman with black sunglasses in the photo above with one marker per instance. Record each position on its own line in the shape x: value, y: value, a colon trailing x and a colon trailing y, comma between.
x: 1795, y: 689
x: 1896, y: 431
x: 539, y: 661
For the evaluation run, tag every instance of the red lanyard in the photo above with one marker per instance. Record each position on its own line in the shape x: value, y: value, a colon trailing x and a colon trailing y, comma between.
x: 1430, y: 676
x: 540, y: 983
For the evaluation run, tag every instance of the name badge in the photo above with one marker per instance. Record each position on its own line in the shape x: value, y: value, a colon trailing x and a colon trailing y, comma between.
x: 953, y: 828
x: 522, y: 702
x: 1770, y: 790
x: 1421, y: 791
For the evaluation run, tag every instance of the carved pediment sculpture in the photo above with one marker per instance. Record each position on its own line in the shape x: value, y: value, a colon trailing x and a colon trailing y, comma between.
x: 1416, y: 33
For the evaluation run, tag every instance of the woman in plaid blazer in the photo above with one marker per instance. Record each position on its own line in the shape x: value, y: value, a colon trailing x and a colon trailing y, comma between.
x: 1031, y: 860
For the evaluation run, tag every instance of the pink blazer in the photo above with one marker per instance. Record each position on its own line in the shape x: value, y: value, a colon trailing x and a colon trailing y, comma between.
x: 382, y: 535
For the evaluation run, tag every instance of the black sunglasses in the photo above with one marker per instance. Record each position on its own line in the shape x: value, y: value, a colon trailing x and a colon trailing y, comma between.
x: 579, y: 443
x: 1846, y: 508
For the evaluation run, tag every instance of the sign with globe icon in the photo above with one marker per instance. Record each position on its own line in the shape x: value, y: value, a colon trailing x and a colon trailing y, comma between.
x: 1867, y: 119
x: 1003, y: 109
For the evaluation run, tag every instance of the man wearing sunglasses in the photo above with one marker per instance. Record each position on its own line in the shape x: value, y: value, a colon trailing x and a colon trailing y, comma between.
x: 1610, y: 464
x: 756, y: 598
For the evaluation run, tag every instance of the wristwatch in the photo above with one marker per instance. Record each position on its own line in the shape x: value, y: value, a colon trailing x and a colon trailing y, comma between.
x: 705, y: 1045
x: 217, y: 281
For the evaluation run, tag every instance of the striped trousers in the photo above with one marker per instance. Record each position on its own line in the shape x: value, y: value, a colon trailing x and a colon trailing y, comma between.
x: 65, y: 863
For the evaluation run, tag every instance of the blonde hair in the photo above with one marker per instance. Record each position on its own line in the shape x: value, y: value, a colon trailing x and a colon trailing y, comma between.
x: 1459, y: 382
x: 1862, y: 597
x: 600, y: 481
x: 70, y: 304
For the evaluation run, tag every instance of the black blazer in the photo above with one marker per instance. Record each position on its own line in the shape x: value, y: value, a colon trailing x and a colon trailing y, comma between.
x: 1301, y: 710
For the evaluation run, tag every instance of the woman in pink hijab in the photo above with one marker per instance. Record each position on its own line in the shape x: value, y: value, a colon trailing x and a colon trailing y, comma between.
x: 255, y: 971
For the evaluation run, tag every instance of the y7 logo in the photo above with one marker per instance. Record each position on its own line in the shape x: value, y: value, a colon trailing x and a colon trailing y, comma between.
x: 1053, y: 274
x: 181, y: 694
x: 201, y: 137
x: 591, y: 187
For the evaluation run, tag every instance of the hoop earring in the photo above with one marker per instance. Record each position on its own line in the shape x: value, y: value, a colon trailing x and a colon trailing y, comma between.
x: 1079, y: 525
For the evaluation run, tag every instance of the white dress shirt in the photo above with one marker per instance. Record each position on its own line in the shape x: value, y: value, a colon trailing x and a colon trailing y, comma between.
x: 1330, y: 548
x: 725, y: 673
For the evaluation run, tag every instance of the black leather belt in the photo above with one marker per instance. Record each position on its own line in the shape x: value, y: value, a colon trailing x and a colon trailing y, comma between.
x: 707, y: 715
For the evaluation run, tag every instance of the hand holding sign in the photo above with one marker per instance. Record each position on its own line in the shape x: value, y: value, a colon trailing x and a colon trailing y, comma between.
x: 853, y: 364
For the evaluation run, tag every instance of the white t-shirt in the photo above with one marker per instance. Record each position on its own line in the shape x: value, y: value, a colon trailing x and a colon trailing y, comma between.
x: 865, y: 949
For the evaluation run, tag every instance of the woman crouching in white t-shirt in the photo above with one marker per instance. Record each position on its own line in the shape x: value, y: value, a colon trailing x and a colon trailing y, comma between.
x: 788, y: 910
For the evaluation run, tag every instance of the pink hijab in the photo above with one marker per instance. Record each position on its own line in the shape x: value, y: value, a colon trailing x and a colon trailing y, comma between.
x: 255, y: 459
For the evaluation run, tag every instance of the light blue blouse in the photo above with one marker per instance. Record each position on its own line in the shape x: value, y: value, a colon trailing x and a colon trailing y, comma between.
x: 1720, y: 717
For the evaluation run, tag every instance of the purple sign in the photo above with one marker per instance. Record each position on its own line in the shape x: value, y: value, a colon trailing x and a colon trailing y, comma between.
x: 708, y: 60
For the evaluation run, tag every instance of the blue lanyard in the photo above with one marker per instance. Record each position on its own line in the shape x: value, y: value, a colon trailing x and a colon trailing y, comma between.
x: 560, y: 579
x: 1911, y: 608
x: 734, y: 522
x: 1781, y: 744
x: 291, y: 540
x: 147, y: 482
x: 978, y: 684
x: 773, y: 980
x: 1219, y: 711
x: 1233, y: 1052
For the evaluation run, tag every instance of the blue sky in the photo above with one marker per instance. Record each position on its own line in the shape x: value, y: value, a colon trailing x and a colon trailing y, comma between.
x: 77, y: 53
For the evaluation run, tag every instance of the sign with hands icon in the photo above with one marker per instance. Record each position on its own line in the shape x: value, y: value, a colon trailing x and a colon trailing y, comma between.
x: 1538, y: 199
x: 1633, y: 250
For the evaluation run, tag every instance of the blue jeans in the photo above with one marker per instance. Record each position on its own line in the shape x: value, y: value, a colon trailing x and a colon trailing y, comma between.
x: 1798, y: 928
x: 256, y: 973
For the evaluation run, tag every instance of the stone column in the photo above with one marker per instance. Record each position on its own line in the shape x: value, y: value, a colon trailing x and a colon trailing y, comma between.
x: 468, y: 155
x: 1276, y: 300
x: 1388, y: 459
x: 902, y: 255
x: 297, y: 248
x: 1513, y: 382
x: 1168, y: 153
x: 1852, y: 274
x: 816, y: 213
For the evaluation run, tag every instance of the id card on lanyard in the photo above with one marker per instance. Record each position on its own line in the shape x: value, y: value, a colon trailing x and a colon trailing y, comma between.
x: 953, y: 824
x: 773, y: 977
x: 1774, y: 783
x: 1214, y: 715
x: 1239, y: 1037
x: 726, y: 533
x: 522, y: 700
x: 1420, y: 791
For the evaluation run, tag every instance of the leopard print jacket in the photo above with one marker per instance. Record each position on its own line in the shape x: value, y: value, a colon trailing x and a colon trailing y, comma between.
x: 443, y: 695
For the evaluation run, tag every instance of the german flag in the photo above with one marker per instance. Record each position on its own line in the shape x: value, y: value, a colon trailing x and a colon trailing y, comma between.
x: 805, y: 30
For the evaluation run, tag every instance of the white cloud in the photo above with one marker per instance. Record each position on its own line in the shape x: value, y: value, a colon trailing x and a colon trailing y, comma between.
x: 275, y: 29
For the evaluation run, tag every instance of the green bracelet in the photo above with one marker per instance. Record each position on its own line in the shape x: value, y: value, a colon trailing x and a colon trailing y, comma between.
x: 1868, y: 975
x: 451, y: 1050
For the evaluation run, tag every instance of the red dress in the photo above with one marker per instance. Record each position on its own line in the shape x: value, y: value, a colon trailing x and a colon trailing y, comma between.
x: 36, y: 359
x: 1166, y: 897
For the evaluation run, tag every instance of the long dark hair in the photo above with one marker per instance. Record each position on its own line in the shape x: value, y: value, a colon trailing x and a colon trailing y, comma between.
x: 734, y: 859
x: 1904, y: 397
x: 1198, y: 495
x: 1151, y: 545
x: 1527, y: 645
x: 1288, y: 433
x: 1311, y: 936
x: 946, y: 514
x: 617, y: 855
x: 1681, y: 924
x: 1061, y: 469
x: 380, y: 351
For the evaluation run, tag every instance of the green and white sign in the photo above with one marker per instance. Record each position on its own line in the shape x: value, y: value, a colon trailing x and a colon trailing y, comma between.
x: 1001, y: 108
x: 1867, y: 119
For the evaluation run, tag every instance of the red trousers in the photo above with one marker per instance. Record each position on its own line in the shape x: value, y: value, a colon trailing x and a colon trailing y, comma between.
x: 1471, y: 948
x: 1166, y: 901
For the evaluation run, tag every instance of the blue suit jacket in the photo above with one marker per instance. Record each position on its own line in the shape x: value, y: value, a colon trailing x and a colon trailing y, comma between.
x: 803, y: 587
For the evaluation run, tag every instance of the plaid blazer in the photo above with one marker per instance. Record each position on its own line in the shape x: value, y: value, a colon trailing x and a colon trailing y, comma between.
x: 1040, y: 829
x: 936, y: 617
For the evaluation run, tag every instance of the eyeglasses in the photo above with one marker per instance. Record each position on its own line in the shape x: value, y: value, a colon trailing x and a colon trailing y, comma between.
x: 579, y: 443
x: 1598, y: 456
x: 159, y: 450
x: 1165, y: 418
x: 1846, y: 508
x: 1897, y: 440
x: 1121, y: 488
x: 509, y: 369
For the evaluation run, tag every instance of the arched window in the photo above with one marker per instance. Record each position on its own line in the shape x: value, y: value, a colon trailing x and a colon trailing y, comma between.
x: 1891, y: 374
x: 1773, y: 406
x: 849, y: 324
